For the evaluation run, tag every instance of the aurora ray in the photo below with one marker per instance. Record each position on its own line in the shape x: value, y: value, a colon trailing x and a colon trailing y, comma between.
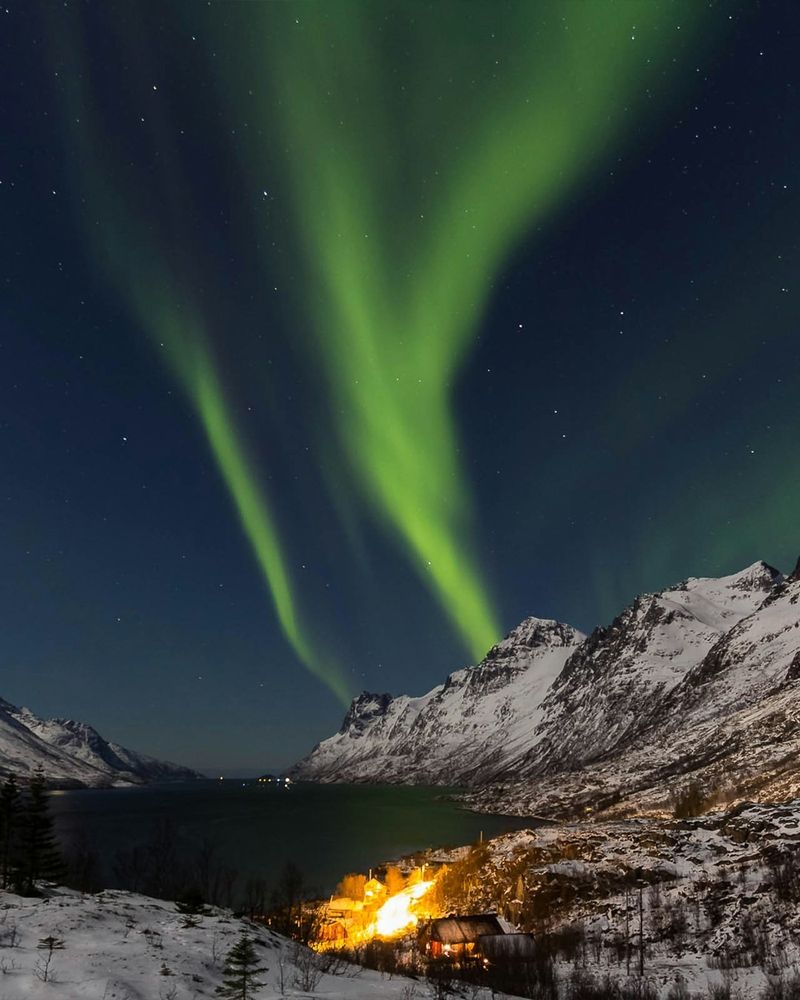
x: 405, y: 210
x: 163, y: 299
x: 230, y: 228
x: 408, y: 206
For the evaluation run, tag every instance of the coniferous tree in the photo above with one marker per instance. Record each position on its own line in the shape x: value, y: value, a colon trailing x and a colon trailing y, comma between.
x: 39, y: 855
x: 191, y: 903
x: 9, y: 829
x: 240, y: 971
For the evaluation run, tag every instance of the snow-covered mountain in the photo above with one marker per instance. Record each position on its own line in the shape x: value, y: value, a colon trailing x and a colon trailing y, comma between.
x: 73, y: 754
x: 700, y: 682
x: 729, y: 729
x: 617, y: 684
x: 462, y: 730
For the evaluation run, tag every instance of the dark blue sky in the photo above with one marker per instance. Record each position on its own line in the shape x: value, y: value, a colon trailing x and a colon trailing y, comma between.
x: 626, y: 414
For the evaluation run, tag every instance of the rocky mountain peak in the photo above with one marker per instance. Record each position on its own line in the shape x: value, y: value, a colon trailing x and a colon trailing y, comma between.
x: 532, y: 634
x: 364, y: 709
x: 759, y: 576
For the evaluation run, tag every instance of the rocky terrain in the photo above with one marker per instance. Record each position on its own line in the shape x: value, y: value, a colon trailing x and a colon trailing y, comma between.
x: 693, y: 690
x: 73, y: 754
x: 717, y: 897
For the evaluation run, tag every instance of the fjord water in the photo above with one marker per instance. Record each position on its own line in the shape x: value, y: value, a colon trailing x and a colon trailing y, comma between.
x: 327, y: 830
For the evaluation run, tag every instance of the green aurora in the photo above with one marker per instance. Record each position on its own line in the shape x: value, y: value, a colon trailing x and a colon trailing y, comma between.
x: 415, y: 147
x: 164, y: 302
x: 415, y: 168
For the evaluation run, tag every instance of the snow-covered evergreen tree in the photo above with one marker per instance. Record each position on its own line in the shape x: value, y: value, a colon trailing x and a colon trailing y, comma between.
x: 240, y: 972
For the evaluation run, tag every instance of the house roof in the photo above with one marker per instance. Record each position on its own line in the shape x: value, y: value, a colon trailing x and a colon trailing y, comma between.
x: 343, y: 903
x: 463, y: 930
x: 507, y: 945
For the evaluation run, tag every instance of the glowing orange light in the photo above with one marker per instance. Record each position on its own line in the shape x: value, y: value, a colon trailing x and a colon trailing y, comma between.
x: 397, y: 913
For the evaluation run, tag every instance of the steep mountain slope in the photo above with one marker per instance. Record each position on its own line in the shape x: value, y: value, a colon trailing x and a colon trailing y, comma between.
x: 73, y: 753
x: 730, y: 729
x: 699, y: 684
x: 757, y: 655
x: 21, y: 750
x: 616, y: 684
x: 460, y: 731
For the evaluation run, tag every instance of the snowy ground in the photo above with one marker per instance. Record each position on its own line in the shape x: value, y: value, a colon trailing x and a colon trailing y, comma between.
x: 720, y: 897
x: 720, y: 910
x: 121, y: 946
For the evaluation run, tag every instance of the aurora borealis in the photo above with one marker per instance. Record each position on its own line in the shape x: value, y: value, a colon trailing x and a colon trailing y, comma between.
x: 340, y: 337
x: 407, y: 212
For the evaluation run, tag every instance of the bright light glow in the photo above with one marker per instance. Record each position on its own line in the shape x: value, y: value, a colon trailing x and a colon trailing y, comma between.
x: 397, y: 913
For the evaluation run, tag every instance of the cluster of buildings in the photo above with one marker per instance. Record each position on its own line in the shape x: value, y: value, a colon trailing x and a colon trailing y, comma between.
x: 483, y: 937
x: 347, y: 920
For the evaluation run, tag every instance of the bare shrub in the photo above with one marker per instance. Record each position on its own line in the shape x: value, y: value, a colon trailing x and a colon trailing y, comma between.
x: 679, y: 990
x: 308, y: 969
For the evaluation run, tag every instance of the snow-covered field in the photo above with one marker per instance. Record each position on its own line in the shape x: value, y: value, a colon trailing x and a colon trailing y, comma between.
x: 122, y: 946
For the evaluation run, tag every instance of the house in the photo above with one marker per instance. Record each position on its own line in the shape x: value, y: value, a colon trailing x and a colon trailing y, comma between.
x: 374, y: 891
x: 459, y: 937
x: 343, y: 906
x: 332, y: 932
x: 515, y: 947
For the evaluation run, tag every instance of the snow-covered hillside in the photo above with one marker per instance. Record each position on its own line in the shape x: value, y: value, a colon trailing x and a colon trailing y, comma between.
x: 129, y: 947
x: 697, y: 683
x: 710, y: 903
x: 719, y: 899
x: 462, y: 730
x: 73, y: 754
x: 729, y: 729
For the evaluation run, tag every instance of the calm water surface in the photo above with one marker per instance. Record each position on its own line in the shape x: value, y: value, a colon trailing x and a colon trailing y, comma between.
x: 327, y: 830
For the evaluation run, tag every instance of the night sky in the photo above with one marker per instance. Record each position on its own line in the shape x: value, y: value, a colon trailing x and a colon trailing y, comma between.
x: 336, y: 338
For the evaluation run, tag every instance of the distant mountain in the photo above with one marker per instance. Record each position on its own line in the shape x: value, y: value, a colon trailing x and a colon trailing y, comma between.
x: 460, y: 732
x: 698, y: 684
x: 73, y: 754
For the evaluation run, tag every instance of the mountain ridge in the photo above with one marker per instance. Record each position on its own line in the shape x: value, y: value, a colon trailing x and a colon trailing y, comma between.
x: 677, y: 687
x: 424, y: 735
x: 73, y: 754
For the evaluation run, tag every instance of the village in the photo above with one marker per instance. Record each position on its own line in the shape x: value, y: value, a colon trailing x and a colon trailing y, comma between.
x: 406, y: 909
